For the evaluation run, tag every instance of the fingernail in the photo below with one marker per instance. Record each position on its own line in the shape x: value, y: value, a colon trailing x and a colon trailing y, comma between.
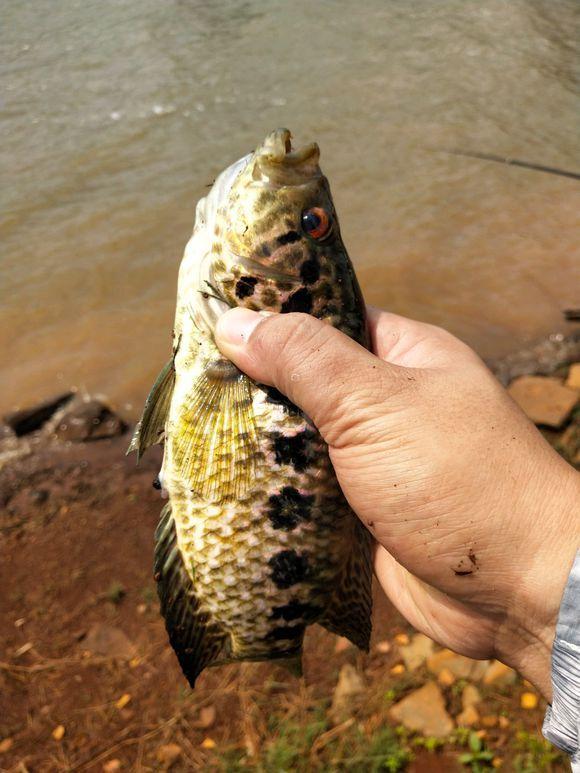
x: 236, y: 326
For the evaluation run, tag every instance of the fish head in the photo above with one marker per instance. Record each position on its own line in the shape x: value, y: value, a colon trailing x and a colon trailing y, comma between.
x: 272, y: 239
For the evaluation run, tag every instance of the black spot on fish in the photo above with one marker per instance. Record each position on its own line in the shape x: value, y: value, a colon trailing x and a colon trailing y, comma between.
x: 295, y: 609
x: 276, y: 397
x: 301, y: 300
x: 245, y: 286
x: 295, y: 450
x: 289, y: 507
x: 286, y: 632
x: 288, y: 568
x: 310, y: 271
x: 289, y: 238
x: 156, y: 483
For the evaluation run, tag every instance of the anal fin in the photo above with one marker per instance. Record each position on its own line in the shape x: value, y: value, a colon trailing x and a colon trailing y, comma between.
x: 150, y: 428
x: 197, y: 640
x: 349, y: 611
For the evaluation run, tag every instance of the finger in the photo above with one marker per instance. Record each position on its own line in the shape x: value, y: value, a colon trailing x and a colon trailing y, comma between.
x: 334, y: 380
x: 412, y: 344
x: 431, y: 611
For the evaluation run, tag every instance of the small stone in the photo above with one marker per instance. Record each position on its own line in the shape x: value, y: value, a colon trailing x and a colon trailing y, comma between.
x: 208, y: 743
x: 573, y: 380
x: 417, y: 652
x: 383, y: 647
x: 529, y: 700
x: 398, y: 669
x: 169, y: 753
x: 423, y: 710
x: 489, y: 720
x: 207, y: 717
x: 20, y: 622
x: 342, y: 644
x: 401, y: 639
x: 58, y: 733
x: 460, y: 666
x: 497, y: 762
x: 504, y: 722
x: 468, y: 717
x: 123, y: 701
x: 141, y: 609
x: 112, y: 766
x: 108, y: 641
x: 445, y: 677
x: 470, y: 696
x: 544, y: 399
x: 348, y: 690
x: 499, y: 674
x: 5, y: 745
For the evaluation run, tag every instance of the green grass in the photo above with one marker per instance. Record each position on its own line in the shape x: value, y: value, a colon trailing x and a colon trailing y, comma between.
x: 535, y: 754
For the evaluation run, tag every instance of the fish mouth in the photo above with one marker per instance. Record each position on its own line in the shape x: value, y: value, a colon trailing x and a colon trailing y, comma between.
x: 277, y: 163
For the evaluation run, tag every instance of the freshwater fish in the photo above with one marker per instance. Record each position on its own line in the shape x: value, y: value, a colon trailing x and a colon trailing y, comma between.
x: 257, y: 541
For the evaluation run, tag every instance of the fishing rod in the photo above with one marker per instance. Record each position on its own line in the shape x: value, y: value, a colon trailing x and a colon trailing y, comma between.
x: 510, y: 162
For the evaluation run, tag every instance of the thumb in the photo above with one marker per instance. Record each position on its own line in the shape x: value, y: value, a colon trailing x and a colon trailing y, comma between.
x: 334, y: 380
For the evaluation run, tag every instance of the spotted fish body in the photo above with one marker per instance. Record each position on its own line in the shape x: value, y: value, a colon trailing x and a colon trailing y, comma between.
x: 257, y: 541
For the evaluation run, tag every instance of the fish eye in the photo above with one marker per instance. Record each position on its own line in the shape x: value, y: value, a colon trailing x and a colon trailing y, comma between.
x: 316, y: 222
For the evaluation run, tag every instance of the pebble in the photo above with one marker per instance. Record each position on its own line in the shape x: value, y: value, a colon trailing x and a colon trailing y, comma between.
x: 468, y: 717
x: 445, y: 677
x: 170, y: 753
x: 349, y: 688
x: 424, y: 710
x: 417, y: 651
x: 398, y: 669
x: 573, y: 380
x: 499, y: 674
x: 529, y: 700
x: 460, y: 666
x: 470, y: 696
x: 108, y: 641
x: 544, y: 399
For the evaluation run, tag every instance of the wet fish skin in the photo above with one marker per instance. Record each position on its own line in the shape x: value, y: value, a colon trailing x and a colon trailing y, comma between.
x: 258, y: 541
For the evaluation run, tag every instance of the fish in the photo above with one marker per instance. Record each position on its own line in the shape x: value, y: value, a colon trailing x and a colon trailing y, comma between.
x: 257, y: 541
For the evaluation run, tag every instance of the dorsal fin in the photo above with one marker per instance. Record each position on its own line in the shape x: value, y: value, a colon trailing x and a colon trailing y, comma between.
x: 151, y: 425
x: 214, y: 443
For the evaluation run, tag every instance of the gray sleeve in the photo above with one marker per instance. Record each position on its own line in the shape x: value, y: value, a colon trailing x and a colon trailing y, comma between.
x: 562, y: 722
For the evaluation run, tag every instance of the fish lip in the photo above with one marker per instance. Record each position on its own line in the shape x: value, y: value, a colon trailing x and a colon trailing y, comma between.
x: 277, y: 162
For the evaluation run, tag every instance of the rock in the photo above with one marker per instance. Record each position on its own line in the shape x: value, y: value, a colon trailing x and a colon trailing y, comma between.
x: 417, y: 652
x: 85, y: 419
x: 6, y: 745
x: 348, y: 690
x: 470, y: 696
x: 207, y: 717
x: 460, y: 666
x: 27, y: 420
x: 383, y: 647
x: 544, y: 356
x: 424, y: 710
x: 504, y: 722
x: 58, y: 733
x: 543, y: 399
x: 401, y: 639
x: 168, y: 754
x: 445, y: 677
x: 110, y: 642
x: 398, y: 669
x: 499, y: 674
x: 489, y: 720
x: 468, y: 717
x: 573, y: 380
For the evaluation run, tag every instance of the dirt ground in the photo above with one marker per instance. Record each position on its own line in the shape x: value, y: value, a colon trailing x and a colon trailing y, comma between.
x: 76, y: 531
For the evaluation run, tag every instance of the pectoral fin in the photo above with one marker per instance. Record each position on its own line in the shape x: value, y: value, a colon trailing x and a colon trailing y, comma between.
x: 198, y: 641
x: 150, y: 427
x: 214, y: 439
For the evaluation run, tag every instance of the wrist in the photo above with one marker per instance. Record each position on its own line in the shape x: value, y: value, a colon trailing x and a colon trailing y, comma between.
x: 525, y: 641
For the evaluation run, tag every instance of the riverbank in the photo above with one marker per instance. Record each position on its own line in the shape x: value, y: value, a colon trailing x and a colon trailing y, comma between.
x: 88, y: 681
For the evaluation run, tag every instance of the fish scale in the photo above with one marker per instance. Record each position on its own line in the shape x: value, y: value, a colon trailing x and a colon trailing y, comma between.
x: 258, y: 541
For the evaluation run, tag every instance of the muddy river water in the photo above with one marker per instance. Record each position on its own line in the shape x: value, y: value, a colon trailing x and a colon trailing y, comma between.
x: 117, y: 113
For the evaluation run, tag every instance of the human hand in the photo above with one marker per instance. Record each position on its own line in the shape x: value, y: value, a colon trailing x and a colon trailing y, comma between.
x: 474, y: 514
